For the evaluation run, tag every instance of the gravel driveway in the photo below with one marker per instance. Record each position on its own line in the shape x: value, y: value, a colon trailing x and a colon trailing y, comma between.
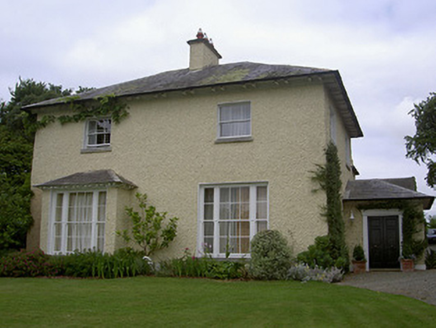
x: 418, y: 284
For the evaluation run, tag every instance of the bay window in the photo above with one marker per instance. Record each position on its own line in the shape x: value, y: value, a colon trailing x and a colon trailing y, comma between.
x: 77, y: 221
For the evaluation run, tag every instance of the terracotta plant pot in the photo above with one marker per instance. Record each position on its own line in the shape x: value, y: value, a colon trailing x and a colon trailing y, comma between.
x: 407, y: 265
x: 359, y: 266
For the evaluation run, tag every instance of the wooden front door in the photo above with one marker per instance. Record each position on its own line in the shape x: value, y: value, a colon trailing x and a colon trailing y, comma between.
x: 384, y: 242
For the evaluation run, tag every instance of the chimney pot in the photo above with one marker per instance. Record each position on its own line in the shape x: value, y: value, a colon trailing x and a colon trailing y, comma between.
x: 200, y: 34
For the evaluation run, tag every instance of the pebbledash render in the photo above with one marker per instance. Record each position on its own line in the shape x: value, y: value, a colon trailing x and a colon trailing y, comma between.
x: 227, y: 148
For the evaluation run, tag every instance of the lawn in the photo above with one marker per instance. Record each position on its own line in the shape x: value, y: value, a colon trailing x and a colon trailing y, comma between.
x: 172, y: 302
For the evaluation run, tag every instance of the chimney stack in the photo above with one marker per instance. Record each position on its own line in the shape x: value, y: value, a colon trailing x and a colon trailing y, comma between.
x: 202, y: 52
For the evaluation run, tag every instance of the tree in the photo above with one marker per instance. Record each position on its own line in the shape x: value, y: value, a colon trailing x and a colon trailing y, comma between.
x: 17, y: 132
x: 422, y: 146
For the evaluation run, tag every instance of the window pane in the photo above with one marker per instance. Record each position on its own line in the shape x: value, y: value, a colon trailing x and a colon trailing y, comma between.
x: 245, y: 211
x: 208, y: 245
x: 208, y: 212
x: 228, y: 245
x: 227, y: 229
x: 244, y: 229
x: 208, y: 195
x: 234, y: 194
x: 92, y: 139
x: 227, y: 130
x: 245, y: 194
x: 92, y: 127
x: 57, y: 237
x: 261, y: 194
x: 59, y: 206
x: 224, y: 195
x: 225, y: 114
x: 208, y: 229
x: 224, y: 212
x: 261, y: 225
x: 245, y: 111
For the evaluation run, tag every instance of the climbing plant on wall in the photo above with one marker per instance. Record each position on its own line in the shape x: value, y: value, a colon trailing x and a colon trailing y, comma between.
x: 328, y: 176
x: 413, y: 221
x: 103, y: 106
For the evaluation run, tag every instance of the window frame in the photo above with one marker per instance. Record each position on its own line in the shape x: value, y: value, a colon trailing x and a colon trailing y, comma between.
x: 105, y: 146
x: 253, y: 201
x: 241, y: 137
x: 65, y: 219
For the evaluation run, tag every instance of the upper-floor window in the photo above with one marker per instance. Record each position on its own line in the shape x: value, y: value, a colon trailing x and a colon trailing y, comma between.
x: 98, y: 133
x: 234, y: 120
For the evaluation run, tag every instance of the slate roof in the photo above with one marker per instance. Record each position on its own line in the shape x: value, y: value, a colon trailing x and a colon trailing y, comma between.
x: 222, y: 75
x: 385, y: 189
x: 90, y: 178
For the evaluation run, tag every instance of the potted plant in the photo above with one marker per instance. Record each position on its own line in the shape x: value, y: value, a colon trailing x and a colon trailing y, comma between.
x: 359, y: 260
x: 407, y: 258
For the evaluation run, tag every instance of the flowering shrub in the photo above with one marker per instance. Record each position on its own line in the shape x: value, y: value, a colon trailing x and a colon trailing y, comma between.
x: 303, y: 272
x: 27, y: 264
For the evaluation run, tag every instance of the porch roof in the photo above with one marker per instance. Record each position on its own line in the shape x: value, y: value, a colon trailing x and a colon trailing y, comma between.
x: 386, y: 189
x: 98, y: 178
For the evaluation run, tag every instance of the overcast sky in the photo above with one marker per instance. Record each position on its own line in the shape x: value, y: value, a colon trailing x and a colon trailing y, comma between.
x: 385, y: 51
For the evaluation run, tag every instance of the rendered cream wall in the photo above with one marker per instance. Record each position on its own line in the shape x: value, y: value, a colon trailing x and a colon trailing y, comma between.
x: 201, y: 56
x: 167, y: 147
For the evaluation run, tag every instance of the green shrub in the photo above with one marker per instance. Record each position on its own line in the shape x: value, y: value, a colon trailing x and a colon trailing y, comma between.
x: 319, y: 255
x: 430, y: 260
x: 270, y: 256
x: 26, y: 264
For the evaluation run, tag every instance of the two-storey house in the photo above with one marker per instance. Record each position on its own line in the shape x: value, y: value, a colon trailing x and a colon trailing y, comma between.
x: 229, y: 149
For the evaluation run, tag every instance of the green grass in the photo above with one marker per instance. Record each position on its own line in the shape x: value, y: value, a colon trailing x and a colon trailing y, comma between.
x: 172, y: 302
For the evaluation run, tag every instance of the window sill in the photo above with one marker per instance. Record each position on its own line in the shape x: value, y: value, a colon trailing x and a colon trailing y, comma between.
x: 95, y: 150
x: 235, y: 139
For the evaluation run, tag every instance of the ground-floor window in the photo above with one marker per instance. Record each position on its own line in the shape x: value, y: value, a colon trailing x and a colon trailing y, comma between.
x: 230, y: 216
x: 77, y: 221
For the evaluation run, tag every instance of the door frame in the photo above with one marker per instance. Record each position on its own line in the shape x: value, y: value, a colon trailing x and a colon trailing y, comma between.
x: 380, y: 212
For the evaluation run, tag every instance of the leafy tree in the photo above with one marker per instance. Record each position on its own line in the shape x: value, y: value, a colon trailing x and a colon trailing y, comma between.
x: 17, y: 131
x: 148, y: 228
x: 422, y: 146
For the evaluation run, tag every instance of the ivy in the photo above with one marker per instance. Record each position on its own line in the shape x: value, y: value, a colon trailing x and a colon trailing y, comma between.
x: 412, y: 218
x: 102, y: 106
